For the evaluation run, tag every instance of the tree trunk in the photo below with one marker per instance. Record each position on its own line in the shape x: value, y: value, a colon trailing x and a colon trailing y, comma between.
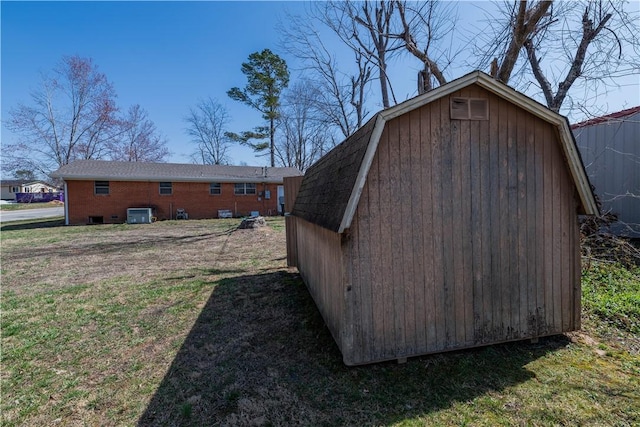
x: 272, y: 147
x: 383, y: 82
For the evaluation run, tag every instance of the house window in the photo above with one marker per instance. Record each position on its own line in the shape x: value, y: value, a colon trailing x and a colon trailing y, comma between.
x: 215, y: 188
x: 245, y: 188
x: 469, y: 109
x: 166, y: 188
x: 101, y: 187
x: 15, y: 189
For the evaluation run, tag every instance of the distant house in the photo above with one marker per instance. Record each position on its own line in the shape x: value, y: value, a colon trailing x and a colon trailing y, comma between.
x: 12, y: 187
x: 101, y: 191
x: 446, y: 222
x: 610, y: 148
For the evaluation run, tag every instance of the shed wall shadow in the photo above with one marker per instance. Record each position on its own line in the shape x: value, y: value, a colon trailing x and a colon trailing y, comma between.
x: 260, y: 354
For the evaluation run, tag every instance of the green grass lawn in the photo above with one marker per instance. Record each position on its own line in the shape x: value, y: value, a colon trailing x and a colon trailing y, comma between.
x: 196, y: 323
x: 23, y: 206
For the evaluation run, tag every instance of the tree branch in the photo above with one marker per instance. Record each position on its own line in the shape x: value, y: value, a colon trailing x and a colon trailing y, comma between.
x: 588, y: 34
x: 537, y: 72
x: 525, y: 24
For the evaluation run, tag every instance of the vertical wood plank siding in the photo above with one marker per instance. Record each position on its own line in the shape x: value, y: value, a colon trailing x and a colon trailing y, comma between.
x: 320, y: 262
x: 466, y: 234
x: 291, y: 187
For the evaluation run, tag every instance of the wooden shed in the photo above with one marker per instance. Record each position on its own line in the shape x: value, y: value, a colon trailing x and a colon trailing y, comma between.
x: 446, y: 222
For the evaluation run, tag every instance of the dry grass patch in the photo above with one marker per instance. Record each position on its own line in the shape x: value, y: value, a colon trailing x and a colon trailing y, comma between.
x: 196, y: 323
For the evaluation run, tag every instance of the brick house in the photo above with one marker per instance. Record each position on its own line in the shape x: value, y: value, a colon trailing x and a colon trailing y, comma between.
x: 98, y: 191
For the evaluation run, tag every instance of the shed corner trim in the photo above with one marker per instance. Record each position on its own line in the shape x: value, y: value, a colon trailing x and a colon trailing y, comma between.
x: 372, y: 147
x: 576, y: 168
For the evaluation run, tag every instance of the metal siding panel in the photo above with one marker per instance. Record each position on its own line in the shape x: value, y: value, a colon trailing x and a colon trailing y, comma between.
x: 611, y: 153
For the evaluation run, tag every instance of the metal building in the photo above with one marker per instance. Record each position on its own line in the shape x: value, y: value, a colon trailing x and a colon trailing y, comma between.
x: 610, y: 148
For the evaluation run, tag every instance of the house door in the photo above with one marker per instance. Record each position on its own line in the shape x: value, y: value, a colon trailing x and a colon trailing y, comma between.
x: 280, y: 199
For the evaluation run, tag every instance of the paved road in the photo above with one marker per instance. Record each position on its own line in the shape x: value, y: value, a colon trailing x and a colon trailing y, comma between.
x: 6, y: 216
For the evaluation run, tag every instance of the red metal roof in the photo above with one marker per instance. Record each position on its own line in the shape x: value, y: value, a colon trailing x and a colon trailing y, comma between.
x: 607, y: 118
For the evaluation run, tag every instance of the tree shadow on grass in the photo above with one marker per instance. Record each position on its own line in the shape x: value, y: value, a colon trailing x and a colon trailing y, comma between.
x: 259, y: 354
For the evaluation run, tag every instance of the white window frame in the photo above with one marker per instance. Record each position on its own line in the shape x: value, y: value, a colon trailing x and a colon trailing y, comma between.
x: 245, y: 189
x: 165, y: 188
x: 102, y: 187
x: 213, y: 187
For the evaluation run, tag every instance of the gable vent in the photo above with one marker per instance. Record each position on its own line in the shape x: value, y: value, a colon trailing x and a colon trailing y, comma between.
x: 460, y: 108
x: 469, y: 109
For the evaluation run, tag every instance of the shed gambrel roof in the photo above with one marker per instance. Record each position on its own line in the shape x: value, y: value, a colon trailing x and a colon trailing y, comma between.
x: 177, y: 172
x: 331, y: 188
x: 328, y: 184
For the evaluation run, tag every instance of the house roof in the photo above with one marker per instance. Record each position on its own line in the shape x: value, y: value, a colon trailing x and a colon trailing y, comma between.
x: 609, y: 118
x: 19, y: 182
x: 176, y: 172
x: 331, y: 188
x: 13, y: 182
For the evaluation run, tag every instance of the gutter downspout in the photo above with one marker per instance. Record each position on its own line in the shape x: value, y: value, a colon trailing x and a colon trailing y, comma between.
x: 66, y: 204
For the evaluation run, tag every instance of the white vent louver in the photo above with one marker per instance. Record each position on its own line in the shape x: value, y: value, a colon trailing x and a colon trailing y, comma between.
x: 469, y: 109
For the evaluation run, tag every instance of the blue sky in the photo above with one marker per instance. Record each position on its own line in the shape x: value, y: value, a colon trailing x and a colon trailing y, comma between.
x: 166, y: 56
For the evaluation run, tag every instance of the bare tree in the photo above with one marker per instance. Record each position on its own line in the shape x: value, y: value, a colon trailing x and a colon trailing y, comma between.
x: 424, y: 25
x: 591, y: 36
x: 305, y: 137
x: 340, y: 96
x: 367, y: 28
x: 499, y: 43
x: 379, y: 30
x: 207, y: 124
x: 525, y: 19
x: 561, y: 45
x: 24, y: 174
x: 139, y: 140
x: 72, y: 115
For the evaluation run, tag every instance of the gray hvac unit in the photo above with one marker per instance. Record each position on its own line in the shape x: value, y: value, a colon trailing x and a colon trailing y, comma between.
x: 139, y: 216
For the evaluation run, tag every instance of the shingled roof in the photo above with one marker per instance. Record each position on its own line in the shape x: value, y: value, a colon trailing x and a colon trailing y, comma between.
x: 328, y: 184
x: 175, y: 172
x: 331, y: 188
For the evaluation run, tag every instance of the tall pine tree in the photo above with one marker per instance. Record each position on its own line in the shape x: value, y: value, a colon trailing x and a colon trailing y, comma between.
x: 267, y: 75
